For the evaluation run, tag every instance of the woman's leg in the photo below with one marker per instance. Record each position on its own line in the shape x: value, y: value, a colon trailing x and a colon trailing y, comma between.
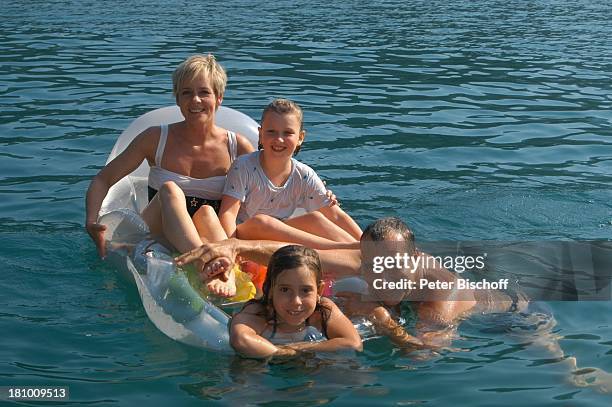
x: 209, y: 228
x: 177, y: 225
x: 207, y: 224
x: 179, y: 229
x: 151, y: 214
x: 263, y: 227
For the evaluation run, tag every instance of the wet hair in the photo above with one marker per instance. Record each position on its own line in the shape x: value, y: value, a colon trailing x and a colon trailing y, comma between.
x: 286, y: 258
x: 284, y: 106
x: 389, y: 228
x: 195, y: 66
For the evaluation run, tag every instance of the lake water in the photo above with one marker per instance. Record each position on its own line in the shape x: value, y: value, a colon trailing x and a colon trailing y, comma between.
x: 470, y: 120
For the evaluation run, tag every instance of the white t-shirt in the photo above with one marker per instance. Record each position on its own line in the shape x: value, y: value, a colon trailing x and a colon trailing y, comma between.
x: 247, y: 182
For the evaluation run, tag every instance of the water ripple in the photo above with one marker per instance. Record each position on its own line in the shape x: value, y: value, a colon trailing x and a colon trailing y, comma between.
x: 467, y: 119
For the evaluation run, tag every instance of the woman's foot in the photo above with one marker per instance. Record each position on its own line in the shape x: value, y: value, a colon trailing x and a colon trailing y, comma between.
x: 218, y: 267
x: 221, y: 277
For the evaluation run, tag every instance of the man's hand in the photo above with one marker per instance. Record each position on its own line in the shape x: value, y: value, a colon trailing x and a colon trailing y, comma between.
x: 353, y: 306
x: 219, y: 267
x: 211, y: 258
x: 96, y: 232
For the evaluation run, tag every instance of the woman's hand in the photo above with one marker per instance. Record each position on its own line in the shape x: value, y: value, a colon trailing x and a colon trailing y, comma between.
x: 96, y: 232
x: 136, y: 152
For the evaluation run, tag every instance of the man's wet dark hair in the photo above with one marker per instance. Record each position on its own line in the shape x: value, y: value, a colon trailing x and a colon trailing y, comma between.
x: 389, y: 228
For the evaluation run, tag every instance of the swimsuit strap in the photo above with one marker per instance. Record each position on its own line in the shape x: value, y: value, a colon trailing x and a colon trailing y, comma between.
x: 323, y: 321
x: 323, y: 325
x: 161, y: 145
x: 232, y: 145
x: 274, y: 325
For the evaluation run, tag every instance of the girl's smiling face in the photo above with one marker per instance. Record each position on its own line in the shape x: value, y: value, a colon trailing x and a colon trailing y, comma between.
x: 197, y: 99
x: 280, y: 134
x: 295, y: 295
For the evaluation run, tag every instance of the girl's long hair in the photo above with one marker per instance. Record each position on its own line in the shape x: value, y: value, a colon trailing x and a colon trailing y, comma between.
x: 285, y: 258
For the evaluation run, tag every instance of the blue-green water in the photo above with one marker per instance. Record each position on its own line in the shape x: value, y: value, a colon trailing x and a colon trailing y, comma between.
x: 470, y: 120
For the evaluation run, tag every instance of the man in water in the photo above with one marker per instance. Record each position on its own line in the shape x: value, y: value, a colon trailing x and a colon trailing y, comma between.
x: 437, y: 309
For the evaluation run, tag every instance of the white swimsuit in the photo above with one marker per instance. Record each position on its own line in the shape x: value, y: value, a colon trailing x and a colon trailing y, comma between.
x: 308, y: 334
x: 198, y: 191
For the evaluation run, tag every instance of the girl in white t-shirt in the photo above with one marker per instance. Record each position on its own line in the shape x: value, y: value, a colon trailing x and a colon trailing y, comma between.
x: 264, y: 188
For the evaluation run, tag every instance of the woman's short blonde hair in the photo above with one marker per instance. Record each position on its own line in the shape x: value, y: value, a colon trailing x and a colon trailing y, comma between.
x: 197, y: 65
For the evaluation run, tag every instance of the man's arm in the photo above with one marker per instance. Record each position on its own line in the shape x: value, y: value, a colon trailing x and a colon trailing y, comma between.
x: 340, y: 263
x: 335, y: 263
x: 258, y: 251
x: 379, y: 316
x: 386, y: 325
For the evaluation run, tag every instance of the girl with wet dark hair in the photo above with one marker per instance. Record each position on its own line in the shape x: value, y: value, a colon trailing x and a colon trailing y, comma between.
x: 291, y: 316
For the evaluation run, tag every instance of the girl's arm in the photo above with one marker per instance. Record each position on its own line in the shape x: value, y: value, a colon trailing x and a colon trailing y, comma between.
x: 340, y: 331
x: 342, y: 219
x: 126, y: 162
x: 244, y: 338
x: 228, y: 212
x: 234, y: 192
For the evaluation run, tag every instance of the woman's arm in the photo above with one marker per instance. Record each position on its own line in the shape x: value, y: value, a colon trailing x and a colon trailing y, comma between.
x: 342, y: 219
x: 244, y: 145
x: 126, y: 162
x: 228, y: 212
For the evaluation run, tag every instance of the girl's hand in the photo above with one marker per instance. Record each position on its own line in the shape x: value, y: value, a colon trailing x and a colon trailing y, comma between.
x: 96, y: 232
x: 333, y: 200
x: 284, y: 351
x: 283, y: 354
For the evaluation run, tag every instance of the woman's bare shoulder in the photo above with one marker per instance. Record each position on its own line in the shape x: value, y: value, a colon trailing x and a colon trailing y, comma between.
x: 148, y: 140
